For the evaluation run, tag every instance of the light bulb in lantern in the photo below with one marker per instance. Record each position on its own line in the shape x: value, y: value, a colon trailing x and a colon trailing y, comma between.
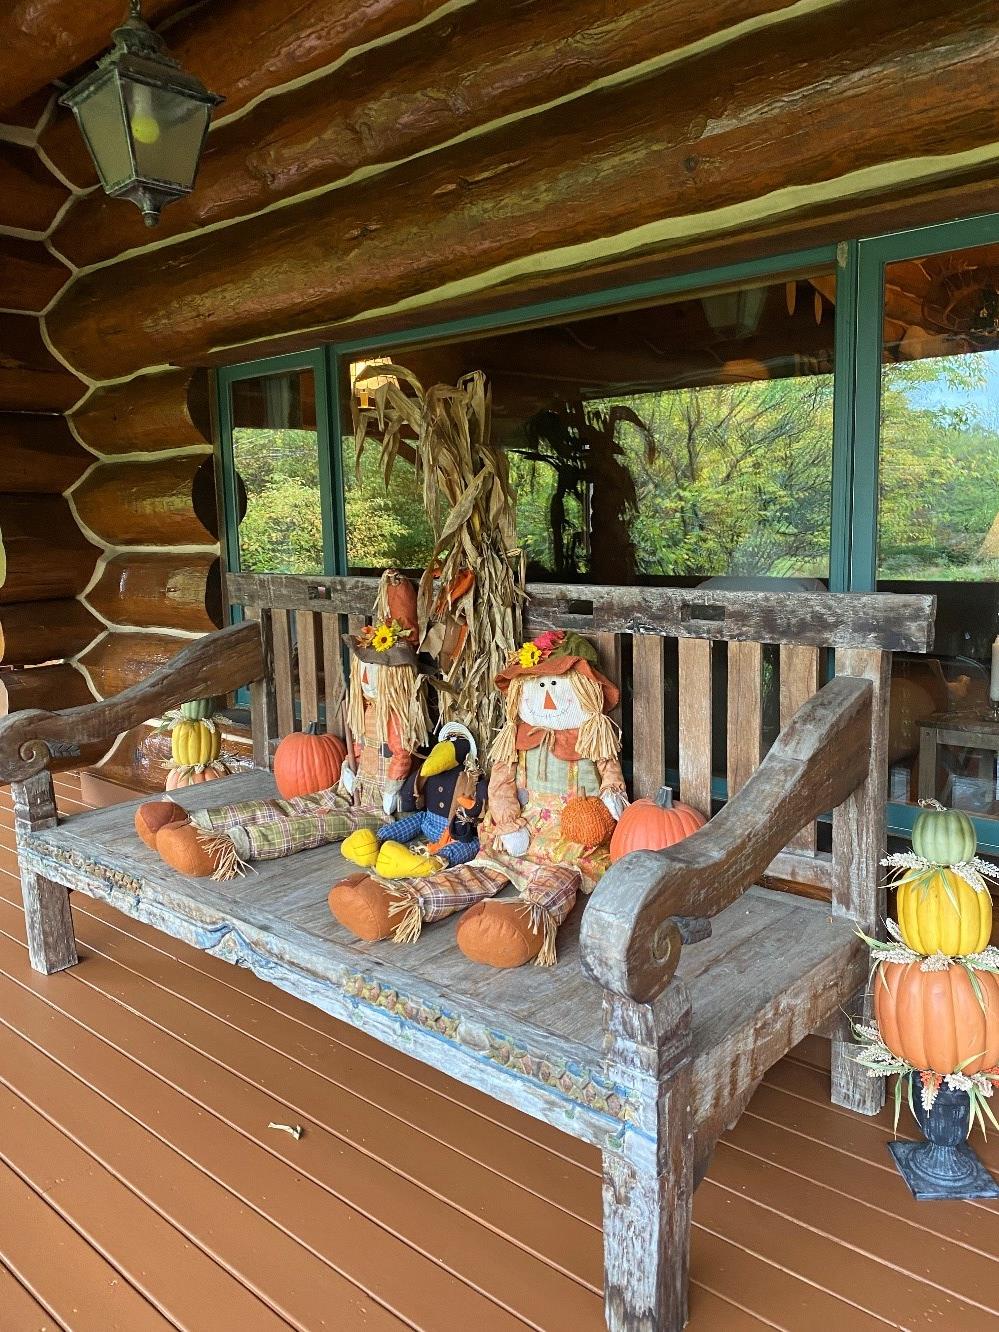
x: 145, y: 126
x: 145, y: 129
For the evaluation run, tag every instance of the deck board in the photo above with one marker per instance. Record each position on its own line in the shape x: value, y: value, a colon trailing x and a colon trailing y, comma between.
x: 156, y: 1068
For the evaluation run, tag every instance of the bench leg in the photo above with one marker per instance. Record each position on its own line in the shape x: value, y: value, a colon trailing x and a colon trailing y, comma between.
x: 647, y: 1210
x: 49, y: 921
x: 851, y: 1087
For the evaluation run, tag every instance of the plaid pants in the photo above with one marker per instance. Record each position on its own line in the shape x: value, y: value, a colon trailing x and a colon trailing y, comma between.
x: 269, y: 829
x: 548, y: 896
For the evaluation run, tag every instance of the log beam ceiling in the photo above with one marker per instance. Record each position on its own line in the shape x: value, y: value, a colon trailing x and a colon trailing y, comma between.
x: 477, y: 64
x: 759, y: 125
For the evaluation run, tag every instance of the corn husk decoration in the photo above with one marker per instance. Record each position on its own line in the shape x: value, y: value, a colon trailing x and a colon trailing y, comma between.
x: 477, y: 604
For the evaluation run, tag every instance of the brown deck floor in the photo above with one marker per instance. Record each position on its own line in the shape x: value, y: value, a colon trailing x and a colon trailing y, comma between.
x: 142, y: 1187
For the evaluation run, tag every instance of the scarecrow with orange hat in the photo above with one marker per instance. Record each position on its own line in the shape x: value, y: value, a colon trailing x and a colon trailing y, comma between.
x: 556, y: 791
x: 387, y: 720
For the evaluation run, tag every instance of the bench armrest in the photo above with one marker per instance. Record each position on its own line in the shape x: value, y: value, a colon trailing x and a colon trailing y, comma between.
x: 209, y: 667
x: 651, y: 902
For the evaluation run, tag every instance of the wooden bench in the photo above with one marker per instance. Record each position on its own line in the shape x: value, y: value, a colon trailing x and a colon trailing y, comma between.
x: 679, y: 983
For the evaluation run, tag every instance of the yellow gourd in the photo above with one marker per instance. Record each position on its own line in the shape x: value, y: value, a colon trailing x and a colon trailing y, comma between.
x: 193, y: 744
x: 938, y: 912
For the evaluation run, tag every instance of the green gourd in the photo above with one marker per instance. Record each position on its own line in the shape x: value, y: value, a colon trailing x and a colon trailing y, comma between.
x: 943, y: 836
x: 199, y: 709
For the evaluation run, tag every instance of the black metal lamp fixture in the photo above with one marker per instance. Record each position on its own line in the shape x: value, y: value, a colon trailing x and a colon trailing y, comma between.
x: 143, y: 119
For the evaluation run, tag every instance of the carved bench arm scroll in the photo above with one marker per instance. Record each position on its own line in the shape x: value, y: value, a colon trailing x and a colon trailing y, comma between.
x: 208, y: 667
x: 652, y: 902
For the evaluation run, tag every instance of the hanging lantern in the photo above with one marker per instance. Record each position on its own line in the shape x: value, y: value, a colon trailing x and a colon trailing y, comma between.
x: 143, y: 119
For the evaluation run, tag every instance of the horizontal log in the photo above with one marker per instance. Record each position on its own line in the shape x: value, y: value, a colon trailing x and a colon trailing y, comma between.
x: 165, y: 411
x: 31, y: 379
x: 45, y: 39
x: 27, y: 113
x: 173, y: 590
x: 241, y: 51
x: 31, y: 274
x: 121, y: 659
x: 138, y: 756
x: 963, y: 192
x: 665, y: 152
x: 137, y: 759
x: 30, y: 196
x: 32, y: 632
x: 208, y: 667
x: 48, y: 687
x: 166, y: 501
x: 487, y: 60
x: 43, y: 554
x: 39, y: 454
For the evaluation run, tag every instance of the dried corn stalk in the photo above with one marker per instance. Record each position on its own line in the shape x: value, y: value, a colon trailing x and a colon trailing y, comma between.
x: 466, y: 491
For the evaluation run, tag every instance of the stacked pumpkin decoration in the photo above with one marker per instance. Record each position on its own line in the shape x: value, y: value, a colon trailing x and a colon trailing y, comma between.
x: 195, y: 745
x: 935, y: 981
x: 653, y: 825
x: 308, y: 761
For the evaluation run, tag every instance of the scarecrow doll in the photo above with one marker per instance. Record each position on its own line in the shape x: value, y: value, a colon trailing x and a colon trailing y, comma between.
x: 441, y: 804
x: 387, y: 722
x: 555, y: 793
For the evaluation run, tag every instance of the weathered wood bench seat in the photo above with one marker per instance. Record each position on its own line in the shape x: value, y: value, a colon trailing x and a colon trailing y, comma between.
x: 680, y: 981
x: 543, y: 1029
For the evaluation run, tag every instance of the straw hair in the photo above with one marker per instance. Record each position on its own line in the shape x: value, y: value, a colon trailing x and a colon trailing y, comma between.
x: 598, y: 737
x: 398, y: 691
x: 504, y: 749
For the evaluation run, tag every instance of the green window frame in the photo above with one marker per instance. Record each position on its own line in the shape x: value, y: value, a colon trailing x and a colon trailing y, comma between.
x: 859, y: 266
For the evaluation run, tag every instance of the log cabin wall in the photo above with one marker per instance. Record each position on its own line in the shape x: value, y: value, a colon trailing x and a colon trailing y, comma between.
x: 389, y: 164
x: 46, y: 559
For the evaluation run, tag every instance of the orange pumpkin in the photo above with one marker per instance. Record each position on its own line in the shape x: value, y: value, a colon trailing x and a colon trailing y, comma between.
x: 652, y: 825
x: 178, y: 777
x: 305, y: 762
x: 586, y: 821
x: 935, y: 1020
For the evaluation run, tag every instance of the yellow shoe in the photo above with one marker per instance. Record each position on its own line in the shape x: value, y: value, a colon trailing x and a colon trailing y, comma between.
x: 361, y: 847
x: 396, y: 861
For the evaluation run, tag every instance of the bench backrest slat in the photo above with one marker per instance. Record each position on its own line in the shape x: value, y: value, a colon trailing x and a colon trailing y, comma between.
x: 306, y: 633
x: 695, y: 726
x: 744, y: 713
x: 800, y: 678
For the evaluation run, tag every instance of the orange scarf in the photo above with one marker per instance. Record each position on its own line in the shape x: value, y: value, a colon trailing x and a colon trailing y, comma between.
x: 560, y: 743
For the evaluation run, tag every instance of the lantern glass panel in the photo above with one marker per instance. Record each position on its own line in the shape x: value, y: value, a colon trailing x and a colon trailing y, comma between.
x: 167, y: 130
x: 102, y: 119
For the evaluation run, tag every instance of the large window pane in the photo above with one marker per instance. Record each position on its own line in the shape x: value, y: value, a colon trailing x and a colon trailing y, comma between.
x: 939, y: 516
x: 276, y: 453
x: 673, y: 443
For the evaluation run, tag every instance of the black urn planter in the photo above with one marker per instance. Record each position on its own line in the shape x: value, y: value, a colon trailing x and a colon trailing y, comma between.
x: 943, y: 1166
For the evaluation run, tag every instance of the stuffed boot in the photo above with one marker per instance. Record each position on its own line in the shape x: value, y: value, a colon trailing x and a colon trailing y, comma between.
x: 396, y: 861
x: 362, y: 905
x: 189, y: 851
x: 154, y: 815
x: 499, y: 934
x: 361, y: 847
